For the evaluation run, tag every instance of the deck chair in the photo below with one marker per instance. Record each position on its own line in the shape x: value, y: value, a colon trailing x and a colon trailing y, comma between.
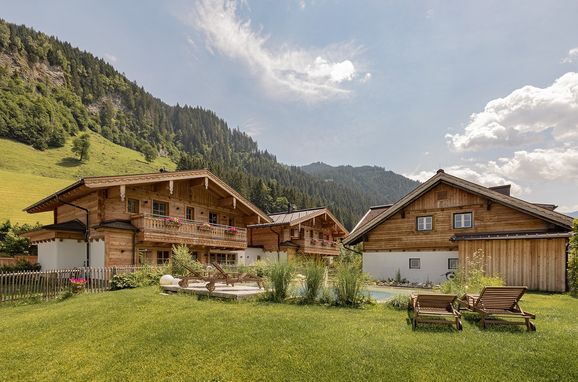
x: 210, y: 280
x: 434, y: 308
x: 231, y: 279
x: 497, y: 303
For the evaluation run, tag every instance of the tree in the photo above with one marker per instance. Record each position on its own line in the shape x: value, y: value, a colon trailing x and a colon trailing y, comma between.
x: 149, y: 152
x: 573, y: 261
x: 80, y: 146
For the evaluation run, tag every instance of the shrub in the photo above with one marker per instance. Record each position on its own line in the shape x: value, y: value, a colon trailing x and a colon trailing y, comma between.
x: 573, y: 261
x: 398, y: 302
x: 144, y: 277
x: 348, y: 284
x: 471, y: 277
x: 21, y: 265
x: 280, y: 277
x: 182, y: 255
x: 314, y: 275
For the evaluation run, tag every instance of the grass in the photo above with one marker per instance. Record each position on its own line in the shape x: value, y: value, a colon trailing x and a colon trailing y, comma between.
x: 29, y: 175
x: 142, y: 335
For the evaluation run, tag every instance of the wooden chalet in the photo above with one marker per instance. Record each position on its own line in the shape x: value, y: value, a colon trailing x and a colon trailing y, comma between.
x: 431, y: 231
x: 313, y: 233
x: 126, y: 219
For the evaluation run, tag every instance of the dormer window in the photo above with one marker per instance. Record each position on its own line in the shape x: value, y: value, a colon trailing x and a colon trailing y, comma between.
x: 424, y: 223
x: 463, y: 220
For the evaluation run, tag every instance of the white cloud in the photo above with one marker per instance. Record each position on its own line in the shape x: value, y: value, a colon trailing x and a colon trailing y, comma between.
x: 309, y: 74
x: 526, y: 115
x: 571, y: 57
x: 110, y: 58
x: 302, y: 4
x: 545, y: 164
x: 479, y: 175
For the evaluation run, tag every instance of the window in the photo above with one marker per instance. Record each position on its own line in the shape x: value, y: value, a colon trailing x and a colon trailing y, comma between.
x: 132, y: 206
x: 231, y: 221
x: 453, y: 263
x: 190, y: 213
x: 160, y: 208
x: 414, y: 263
x: 195, y: 255
x: 424, y: 223
x: 302, y: 233
x: 311, y: 234
x: 320, y: 235
x: 463, y: 220
x: 223, y: 258
x: 162, y: 257
x: 213, y: 218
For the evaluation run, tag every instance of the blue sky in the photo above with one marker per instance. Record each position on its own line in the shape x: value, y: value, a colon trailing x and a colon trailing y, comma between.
x: 486, y: 90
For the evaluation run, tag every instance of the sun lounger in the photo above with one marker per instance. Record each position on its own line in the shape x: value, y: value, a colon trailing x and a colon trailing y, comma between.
x: 434, y: 308
x: 210, y: 280
x: 498, y: 305
x: 231, y: 279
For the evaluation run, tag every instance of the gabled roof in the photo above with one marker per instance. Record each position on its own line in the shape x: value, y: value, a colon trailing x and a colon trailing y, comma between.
x: 69, y: 226
x: 371, y: 214
x: 296, y: 217
x: 87, y: 185
x: 550, y: 216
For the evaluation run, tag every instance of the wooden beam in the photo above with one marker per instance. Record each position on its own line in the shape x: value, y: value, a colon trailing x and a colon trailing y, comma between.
x: 122, y: 192
x: 171, y: 186
x: 206, y: 182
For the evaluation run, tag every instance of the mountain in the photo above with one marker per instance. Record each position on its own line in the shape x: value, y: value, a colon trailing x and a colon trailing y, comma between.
x: 52, y: 92
x: 572, y: 214
x: 380, y: 186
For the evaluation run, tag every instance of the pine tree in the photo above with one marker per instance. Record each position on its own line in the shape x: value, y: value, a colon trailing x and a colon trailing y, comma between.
x: 80, y: 146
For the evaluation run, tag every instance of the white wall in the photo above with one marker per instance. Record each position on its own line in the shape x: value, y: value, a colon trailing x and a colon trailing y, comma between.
x: 384, y: 265
x: 250, y: 255
x: 61, y: 254
x: 97, y: 253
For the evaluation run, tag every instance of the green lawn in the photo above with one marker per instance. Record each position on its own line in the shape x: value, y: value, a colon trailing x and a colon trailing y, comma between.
x: 142, y: 335
x: 27, y: 175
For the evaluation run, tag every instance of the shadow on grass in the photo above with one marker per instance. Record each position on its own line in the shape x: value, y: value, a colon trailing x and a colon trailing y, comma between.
x: 69, y: 162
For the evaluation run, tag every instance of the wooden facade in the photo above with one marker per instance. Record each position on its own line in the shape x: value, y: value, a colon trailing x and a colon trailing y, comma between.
x: 142, y: 216
x: 313, y: 232
x: 524, y: 243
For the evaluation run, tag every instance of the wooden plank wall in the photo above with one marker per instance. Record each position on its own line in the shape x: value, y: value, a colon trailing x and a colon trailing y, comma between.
x: 66, y: 213
x: 118, y: 248
x: 399, y: 233
x: 539, y: 264
x: 184, y: 194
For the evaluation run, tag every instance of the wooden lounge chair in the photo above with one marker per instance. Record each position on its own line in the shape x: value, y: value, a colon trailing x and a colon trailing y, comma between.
x: 210, y: 280
x: 498, y: 302
x: 241, y: 278
x: 433, y: 308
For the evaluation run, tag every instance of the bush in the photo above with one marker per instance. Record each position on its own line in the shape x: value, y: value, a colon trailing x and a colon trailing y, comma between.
x: 182, y: 255
x: 349, y: 284
x: 471, y: 278
x: 144, y: 277
x: 398, y: 302
x: 573, y: 261
x: 314, y: 275
x: 280, y: 277
x: 21, y: 265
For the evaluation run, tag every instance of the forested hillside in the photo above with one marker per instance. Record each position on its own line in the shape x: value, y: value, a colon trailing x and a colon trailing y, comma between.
x: 51, y: 91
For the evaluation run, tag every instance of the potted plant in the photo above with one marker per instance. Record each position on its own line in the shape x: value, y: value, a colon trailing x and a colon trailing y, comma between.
x: 313, y: 241
x: 77, y: 285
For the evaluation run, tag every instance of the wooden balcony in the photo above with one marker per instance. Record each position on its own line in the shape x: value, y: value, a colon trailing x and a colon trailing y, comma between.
x: 168, y: 229
x: 316, y: 246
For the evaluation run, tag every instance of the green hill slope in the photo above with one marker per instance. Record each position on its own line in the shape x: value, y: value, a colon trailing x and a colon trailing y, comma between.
x: 28, y: 175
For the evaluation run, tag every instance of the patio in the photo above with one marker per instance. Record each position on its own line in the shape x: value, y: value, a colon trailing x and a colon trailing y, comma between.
x: 237, y: 292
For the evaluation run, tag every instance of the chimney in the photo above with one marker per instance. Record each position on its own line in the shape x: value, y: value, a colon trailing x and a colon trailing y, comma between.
x: 504, y: 189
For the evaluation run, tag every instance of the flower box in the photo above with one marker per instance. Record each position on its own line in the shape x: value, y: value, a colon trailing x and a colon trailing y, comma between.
x: 314, y: 241
x: 172, y: 222
x: 77, y: 285
x: 232, y: 231
x: 204, y: 227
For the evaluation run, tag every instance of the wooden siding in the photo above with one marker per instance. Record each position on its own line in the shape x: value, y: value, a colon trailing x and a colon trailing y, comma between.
x: 268, y: 239
x: 118, y: 248
x: 66, y: 213
x: 539, y: 264
x: 399, y: 231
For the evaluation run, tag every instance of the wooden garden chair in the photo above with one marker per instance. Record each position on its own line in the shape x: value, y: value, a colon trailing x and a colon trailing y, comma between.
x: 231, y: 279
x: 498, y: 304
x: 210, y: 280
x: 434, y: 308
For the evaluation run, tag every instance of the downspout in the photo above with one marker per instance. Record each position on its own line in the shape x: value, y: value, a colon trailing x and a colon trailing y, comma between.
x: 278, y: 241
x: 351, y: 249
x: 86, y: 229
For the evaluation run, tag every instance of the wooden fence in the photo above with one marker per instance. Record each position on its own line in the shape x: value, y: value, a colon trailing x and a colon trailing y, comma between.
x: 50, y: 284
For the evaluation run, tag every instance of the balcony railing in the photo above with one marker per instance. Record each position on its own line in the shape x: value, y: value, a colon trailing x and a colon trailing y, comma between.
x: 173, y: 229
x: 310, y: 245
